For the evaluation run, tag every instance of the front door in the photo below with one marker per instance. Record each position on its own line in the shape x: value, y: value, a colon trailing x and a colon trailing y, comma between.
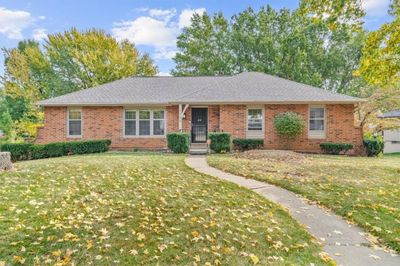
x: 199, y: 125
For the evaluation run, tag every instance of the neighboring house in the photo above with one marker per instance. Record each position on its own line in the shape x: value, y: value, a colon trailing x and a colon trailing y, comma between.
x: 138, y: 112
x: 391, y: 137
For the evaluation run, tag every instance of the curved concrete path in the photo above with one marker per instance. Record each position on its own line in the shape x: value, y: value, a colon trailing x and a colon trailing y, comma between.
x: 345, y: 243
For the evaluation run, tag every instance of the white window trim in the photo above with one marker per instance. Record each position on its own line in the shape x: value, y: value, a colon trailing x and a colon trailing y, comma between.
x: 255, y: 134
x: 137, y: 136
x: 316, y: 134
x: 74, y: 136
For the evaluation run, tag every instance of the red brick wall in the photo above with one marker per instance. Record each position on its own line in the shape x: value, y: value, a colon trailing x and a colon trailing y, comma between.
x: 339, y: 127
x: 107, y: 123
x: 233, y: 119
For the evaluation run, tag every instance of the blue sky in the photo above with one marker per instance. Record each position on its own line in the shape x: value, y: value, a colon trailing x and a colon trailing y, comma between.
x: 151, y: 25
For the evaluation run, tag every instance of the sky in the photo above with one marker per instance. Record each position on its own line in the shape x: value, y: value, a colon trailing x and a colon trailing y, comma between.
x: 152, y: 25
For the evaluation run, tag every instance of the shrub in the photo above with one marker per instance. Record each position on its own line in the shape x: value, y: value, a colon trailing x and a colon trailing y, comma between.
x: 220, y: 141
x: 335, y: 148
x: 373, y: 147
x: 19, y: 151
x: 247, y: 144
x: 289, y: 124
x: 23, y: 151
x: 178, y: 142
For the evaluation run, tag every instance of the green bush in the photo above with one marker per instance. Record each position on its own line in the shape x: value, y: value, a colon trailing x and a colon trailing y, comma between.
x: 289, y: 124
x: 220, y: 141
x: 38, y: 152
x: 23, y: 151
x: 373, y: 147
x: 178, y: 142
x: 335, y: 148
x: 247, y: 144
x: 19, y: 151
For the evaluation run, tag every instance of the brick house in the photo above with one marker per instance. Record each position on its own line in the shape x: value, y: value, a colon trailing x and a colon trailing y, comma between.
x: 138, y: 112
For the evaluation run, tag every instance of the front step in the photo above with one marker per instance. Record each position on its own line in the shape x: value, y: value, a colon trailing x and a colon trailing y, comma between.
x: 198, y: 149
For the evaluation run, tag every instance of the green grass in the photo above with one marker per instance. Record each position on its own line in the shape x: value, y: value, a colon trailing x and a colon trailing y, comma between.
x: 129, y: 209
x: 363, y: 190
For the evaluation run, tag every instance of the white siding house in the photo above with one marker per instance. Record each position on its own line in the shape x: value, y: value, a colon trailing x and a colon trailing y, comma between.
x: 392, y: 137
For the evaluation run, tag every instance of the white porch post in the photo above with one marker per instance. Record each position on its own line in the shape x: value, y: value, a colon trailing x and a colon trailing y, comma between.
x: 182, y: 114
x: 180, y: 117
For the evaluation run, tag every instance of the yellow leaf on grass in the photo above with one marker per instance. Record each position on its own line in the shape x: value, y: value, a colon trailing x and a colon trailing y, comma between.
x: 254, y: 259
x: 197, y: 258
x: 133, y: 252
x: 195, y: 234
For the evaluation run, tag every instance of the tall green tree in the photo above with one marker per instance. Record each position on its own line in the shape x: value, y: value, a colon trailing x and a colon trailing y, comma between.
x: 67, y: 62
x: 283, y: 43
x: 203, y: 47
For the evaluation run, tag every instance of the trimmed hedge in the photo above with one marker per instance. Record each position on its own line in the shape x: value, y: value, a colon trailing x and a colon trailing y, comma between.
x: 178, y: 142
x: 24, y: 151
x: 335, y: 148
x: 289, y: 124
x: 19, y: 151
x: 220, y: 141
x: 373, y: 147
x: 247, y: 144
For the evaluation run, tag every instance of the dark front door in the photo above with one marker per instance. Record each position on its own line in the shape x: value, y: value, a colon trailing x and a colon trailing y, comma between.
x: 199, y: 125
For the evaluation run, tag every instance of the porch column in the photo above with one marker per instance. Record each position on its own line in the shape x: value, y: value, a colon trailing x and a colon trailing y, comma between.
x: 180, y: 117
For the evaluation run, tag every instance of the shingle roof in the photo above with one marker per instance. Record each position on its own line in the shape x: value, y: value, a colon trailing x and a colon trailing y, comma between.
x: 247, y: 87
x: 391, y: 114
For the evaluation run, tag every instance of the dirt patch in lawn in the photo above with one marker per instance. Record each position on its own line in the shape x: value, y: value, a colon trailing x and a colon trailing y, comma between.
x: 273, y: 155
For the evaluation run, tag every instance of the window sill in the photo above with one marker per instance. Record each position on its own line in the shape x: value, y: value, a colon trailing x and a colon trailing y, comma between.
x: 317, y: 136
x: 74, y: 137
x: 145, y: 137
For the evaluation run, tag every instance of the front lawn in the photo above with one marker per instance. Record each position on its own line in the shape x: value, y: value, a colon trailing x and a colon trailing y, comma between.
x: 124, y: 208
x: 364, y: 190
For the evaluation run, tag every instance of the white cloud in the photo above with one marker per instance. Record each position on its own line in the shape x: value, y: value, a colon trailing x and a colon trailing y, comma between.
x: 39, y: 34
x: 146, y: 31
x: 12, y: 22
x: 41, y: 17
x: 187, y: 14
x: 165, y: 53
x: 158, y: 29
x: 164, y: 74
x: 164, y: 14
x: 376, y: 8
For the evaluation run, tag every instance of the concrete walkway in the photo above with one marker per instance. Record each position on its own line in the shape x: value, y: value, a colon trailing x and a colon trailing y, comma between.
x: 345, y: 243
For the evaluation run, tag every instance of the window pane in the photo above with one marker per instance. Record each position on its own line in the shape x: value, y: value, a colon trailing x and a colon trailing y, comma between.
x: 254, y: 114
x: 75, y: 128
x: 317, y: 113
x: 144, y: 114
x: 254, y: 119
x: 158, y: 114
x: 75, y: 114
x: 144, y: 128
x: 158, y: 127
x: 317, y: 125
x: 130, y: 128
x: 130, y: 114
x: 255, y: 124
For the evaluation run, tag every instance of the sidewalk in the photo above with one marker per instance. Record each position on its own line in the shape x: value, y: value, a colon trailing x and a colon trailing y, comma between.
x: 345, y: 243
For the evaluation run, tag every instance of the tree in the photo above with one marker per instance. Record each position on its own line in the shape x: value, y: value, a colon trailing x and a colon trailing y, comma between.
x: 337, y: 12
x: 68, y: 61
x: 203, y: 47
x: 380, y: 67
x: 283, y: 43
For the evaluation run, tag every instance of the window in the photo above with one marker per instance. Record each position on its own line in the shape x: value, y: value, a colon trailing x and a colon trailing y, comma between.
x: 144, y: 123
x: 158, y: 122
x: 317, y: 121
x: 130, y: 123
x: 74, y: 123
x: 254, y: 119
